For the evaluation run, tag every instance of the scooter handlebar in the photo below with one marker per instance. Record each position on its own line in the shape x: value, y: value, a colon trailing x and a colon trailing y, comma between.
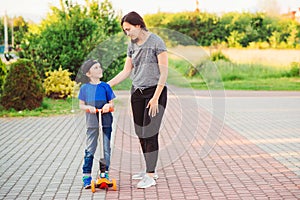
x: 100, y: 110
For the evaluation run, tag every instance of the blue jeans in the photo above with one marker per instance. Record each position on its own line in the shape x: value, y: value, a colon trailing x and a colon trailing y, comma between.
x: 91, y: 146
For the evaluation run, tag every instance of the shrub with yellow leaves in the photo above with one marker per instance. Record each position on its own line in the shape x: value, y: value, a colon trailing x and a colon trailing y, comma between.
x: 58, y: 84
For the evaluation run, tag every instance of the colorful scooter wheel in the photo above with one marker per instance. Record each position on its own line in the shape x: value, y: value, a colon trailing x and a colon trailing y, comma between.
x: 114, y: 186
x: 93, y: 186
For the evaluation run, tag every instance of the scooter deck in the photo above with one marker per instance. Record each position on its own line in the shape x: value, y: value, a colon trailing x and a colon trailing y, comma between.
x: 103, y: 183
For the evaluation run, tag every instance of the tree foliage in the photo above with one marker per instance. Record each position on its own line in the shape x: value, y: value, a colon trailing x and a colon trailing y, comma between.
x: 16, y: 26
x: 233, y: 29
x: 3, y: 72
x: 68, y: 34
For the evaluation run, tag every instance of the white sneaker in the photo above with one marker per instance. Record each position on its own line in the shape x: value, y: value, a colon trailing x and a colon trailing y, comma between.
x: 140, y: 176
x: 146, y: 182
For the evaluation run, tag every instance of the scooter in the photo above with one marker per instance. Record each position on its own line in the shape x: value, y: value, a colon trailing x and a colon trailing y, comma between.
x: 101, y: 181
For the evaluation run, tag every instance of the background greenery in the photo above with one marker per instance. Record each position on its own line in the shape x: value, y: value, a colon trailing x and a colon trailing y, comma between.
x: 22, y: 87
x: 72, y: 33
x: 68, y: 35
x: 49, y: 107
x: 233, y: 76
x: 232, y: 29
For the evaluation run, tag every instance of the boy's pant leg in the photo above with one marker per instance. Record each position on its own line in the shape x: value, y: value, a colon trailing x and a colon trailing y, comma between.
x: 106, y: 144
x: 91, y: 145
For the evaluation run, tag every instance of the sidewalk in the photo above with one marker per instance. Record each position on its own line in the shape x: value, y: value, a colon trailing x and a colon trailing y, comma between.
x: 249, y: 149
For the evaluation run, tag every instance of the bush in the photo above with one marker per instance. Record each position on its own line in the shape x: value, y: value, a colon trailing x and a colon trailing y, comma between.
x: 23, y: 87
x: 219, y: 55
x: 295, y: 69
x: 3, y: 72
x: 259, y: 45
x: 58, y: 84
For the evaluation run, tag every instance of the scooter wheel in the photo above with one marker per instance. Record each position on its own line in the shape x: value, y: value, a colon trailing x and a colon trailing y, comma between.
x: 93, y: 186
x: 114, y: 182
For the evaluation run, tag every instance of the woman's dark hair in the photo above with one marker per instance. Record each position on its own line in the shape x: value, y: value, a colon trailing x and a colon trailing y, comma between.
x: 133, y: 18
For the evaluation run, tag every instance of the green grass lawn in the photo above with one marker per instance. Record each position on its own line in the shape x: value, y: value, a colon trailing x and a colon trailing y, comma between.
x: 49, y: 107
x: 230, y: 76
x: 271, y: 84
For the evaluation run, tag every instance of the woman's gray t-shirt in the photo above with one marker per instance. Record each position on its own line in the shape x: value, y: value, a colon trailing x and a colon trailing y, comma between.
x: 145, y: 72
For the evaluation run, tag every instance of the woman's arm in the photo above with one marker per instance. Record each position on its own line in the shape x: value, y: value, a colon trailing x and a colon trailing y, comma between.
x: 123, y: 74
x: 163, y: 68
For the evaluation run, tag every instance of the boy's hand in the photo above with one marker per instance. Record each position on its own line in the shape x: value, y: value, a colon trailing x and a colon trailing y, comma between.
x: 106, y: 108
x: 92, y: 109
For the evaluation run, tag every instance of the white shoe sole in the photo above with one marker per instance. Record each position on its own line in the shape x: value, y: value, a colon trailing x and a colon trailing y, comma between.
x: 155, y: 177
x: 144, y: 187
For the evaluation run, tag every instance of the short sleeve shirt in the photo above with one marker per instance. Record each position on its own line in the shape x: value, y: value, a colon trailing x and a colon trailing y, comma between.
x: 97, y: 95
x: 145, y: 72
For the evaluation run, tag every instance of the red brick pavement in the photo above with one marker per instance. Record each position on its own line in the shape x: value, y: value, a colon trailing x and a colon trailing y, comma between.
x: 233, y: 168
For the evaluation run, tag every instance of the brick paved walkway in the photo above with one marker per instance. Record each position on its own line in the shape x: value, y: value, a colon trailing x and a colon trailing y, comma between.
x: 249, y: 149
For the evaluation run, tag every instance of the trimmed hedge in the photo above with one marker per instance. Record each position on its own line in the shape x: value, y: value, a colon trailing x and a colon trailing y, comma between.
x: 23, y: 87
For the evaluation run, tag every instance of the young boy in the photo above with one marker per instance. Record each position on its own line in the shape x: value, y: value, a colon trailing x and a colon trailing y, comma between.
x: 95, y: 95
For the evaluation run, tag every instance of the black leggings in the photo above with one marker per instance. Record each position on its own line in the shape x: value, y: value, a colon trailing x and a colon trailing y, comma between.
x: 146, y: 127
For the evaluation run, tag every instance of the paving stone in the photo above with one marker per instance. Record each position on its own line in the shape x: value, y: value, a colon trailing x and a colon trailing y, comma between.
x: 249, y: 149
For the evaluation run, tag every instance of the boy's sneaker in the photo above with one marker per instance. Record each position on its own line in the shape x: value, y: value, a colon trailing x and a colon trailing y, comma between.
x: 141, y: 175
x: 104, y: 175
x: 107, y: 175
x: 146, y: 182
x: 87, y: 182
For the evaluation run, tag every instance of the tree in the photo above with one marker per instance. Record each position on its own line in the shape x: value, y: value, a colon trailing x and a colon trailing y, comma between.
x: 68, y: 34
x: 20, y: 27
x: 1, y: 31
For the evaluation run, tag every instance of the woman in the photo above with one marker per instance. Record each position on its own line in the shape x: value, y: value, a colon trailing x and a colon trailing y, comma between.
x: 147, y: 63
